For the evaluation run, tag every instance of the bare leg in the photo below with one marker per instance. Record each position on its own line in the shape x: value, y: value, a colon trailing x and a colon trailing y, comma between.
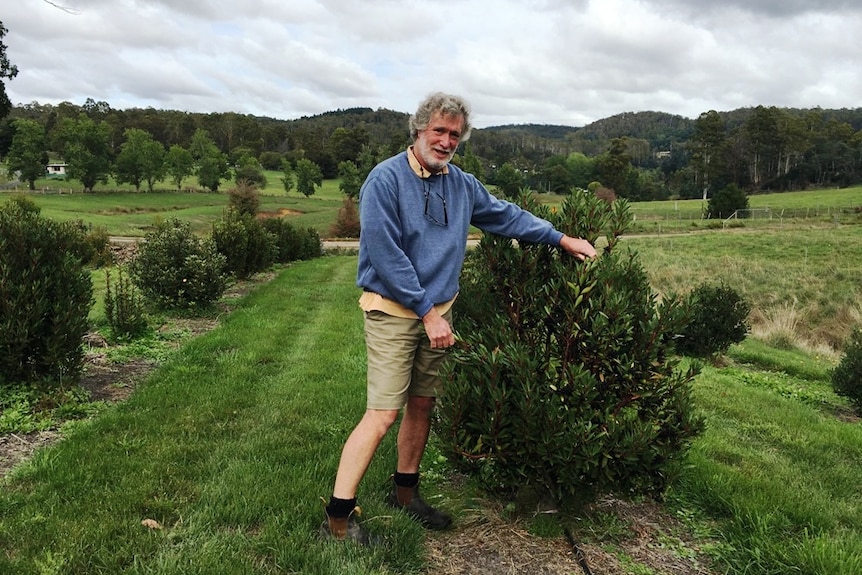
x: 413, y: 433
x: 359, y: 450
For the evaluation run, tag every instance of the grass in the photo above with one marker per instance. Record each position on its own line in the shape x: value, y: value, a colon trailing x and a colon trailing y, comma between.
x: 123, y: 212
x: 776, y: 470
x: 230, y: 443
x: 803, y: 284
x: 227, y: 448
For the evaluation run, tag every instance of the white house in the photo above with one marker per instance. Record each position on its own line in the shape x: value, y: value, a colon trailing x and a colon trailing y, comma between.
x: 56, y: 169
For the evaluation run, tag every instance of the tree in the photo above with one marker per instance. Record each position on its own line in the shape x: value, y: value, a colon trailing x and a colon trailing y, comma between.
x: 557, y: 175
x: 706, y: 143
x: 212, y: 165
x: 582, y: 170
x: 86, y: 150
x: 471, y: 163
x: 141, y: 159
x: 350, y: 182
x: 7, y: 71
x: 613, y: 167
x: 509, y: 180
x: 179, y: 164
x: 287, y: 177
x: 27, y: 154
x: 248, y: 169
x: 726, y: 201
x: 308, y: 177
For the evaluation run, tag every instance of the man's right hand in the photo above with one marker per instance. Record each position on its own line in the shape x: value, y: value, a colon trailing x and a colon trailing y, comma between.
x: 438, y: 330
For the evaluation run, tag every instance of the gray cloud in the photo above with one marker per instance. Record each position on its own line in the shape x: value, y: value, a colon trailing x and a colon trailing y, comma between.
x: 543, y: 61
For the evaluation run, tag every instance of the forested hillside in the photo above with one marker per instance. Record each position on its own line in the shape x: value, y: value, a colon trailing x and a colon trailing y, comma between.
x: 642, y: 155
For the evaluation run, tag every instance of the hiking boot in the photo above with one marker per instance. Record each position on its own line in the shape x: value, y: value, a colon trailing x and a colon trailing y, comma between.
x: 408, y: 499
x: 345, y: 528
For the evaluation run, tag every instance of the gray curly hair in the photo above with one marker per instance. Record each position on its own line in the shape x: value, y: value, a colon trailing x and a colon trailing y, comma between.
x: 448, y: 105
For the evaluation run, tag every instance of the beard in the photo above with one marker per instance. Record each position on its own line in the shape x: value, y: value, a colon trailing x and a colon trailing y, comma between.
x: 434, y: 159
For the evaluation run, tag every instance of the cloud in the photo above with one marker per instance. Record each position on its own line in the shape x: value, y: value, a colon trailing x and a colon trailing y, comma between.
x: 538, y: 61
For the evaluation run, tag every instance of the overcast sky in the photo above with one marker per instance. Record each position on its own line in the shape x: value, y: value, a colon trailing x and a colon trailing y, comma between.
x: 565, y: 62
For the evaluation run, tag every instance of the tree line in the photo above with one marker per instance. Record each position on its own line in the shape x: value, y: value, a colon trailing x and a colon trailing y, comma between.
x: 639, y: 156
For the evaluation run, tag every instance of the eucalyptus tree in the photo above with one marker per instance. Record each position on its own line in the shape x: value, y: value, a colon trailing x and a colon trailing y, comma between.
x: 27, y: 154
x: 141, y: 159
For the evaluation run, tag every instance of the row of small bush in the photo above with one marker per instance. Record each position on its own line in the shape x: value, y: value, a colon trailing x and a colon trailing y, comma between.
x: 46, y: 289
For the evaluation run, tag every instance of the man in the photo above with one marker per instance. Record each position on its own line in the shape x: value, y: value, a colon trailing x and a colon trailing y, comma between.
x: 415, y: 210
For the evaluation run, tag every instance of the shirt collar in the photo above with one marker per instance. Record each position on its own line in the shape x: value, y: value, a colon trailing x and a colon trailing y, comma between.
x: 417, y: 167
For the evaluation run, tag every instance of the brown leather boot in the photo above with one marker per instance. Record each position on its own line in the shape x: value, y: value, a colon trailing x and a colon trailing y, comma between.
x: 409, y: 500
x: 344, y: 528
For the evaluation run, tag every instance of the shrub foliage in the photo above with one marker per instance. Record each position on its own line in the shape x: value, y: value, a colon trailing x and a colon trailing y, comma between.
x: 124, y: 307
x: 292, y: 243
x: 719, y: 319
x: 45, y: 297
x: 564, y: 378
x: 847, y: 375
x: 175, y: 269
x: 244, y: 242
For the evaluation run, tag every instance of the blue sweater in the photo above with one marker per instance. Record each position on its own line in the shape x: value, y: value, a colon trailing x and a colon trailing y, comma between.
x: 412, y: 259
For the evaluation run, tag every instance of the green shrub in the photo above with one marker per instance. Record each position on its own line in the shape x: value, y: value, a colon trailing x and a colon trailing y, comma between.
x: 247, y: 246
x: 45, y: 297
x: 174, y: 269
x: 124, y: 308
x: 718, y: 319
x: 564, y: 377
x: 293, y: 244
x: 91, y: 245
x: 847, y: 375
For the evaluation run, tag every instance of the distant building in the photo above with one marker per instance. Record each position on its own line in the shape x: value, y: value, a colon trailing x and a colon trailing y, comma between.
x: 56, y: 169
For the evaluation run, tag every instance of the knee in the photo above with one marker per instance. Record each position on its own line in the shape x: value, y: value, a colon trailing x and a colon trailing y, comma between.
x: 421, y: 405
x: 380, y: 420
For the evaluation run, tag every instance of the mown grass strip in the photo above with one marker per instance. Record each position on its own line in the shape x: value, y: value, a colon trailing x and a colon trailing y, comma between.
x: 778, y: 472
x: 227, y: 447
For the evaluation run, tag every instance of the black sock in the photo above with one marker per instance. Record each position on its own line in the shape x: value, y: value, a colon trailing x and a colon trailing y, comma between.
x: 406, y: 479
x: 340, y: 508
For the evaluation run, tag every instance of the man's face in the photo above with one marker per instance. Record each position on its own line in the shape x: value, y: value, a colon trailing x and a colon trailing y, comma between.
x: 436, y: 144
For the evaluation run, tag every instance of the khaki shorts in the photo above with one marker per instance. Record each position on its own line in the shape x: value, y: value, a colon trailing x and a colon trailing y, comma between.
x: 401, y: 362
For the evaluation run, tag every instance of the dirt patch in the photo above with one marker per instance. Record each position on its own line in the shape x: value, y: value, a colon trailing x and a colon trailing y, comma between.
x: 483, y: 543
x: 280, y: 213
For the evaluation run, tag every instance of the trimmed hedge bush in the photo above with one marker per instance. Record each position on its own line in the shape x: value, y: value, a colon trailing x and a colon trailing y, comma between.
x: 45, y: 297
x: 719, y: 319
x: 174, y: 269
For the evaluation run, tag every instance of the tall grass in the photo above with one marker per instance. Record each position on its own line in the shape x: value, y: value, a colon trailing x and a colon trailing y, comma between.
x: 804, y: 285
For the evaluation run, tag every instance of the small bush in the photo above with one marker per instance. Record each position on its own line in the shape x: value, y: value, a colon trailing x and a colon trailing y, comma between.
x: 847, y: 375
x: 246, y: 245
x: 245, y: 197
x: 293, y: 244
x: 718, y: 319
x: 347, y: 223
x: 91, y: 245
x: 174, y: 269
x: 124, y: 308
x: 45, y: 298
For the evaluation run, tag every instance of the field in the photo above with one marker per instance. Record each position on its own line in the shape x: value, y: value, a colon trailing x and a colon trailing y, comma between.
x: 223, y: 451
